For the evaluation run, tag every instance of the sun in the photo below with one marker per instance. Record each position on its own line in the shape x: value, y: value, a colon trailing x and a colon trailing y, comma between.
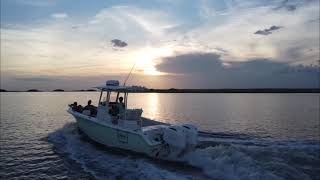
x: 146, y: 59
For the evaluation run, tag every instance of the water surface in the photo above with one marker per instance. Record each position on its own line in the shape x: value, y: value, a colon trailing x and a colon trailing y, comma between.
x: 245, y: 136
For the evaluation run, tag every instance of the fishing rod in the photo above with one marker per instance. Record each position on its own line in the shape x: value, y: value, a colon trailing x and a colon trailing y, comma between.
x: 125, y: 81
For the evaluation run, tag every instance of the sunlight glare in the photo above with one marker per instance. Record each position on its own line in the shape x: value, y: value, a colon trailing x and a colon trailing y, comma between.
x: 147, y: 56
x: 153, y: 104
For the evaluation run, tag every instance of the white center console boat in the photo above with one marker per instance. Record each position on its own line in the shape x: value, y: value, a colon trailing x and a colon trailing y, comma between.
x: 114, y: 125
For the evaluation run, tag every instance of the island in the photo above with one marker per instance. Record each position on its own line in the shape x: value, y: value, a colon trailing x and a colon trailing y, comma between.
x: 33, y: 90
x: 58, y: 90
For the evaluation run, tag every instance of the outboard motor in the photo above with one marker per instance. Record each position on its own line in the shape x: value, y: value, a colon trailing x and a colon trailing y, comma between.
x: 176, y: 139
x: 191, y: 133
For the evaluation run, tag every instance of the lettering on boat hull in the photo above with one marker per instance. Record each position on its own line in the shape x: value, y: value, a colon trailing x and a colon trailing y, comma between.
x: 122, y: 136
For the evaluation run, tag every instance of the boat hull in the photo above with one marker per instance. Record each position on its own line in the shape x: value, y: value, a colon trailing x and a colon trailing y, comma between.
x: 117, y: 138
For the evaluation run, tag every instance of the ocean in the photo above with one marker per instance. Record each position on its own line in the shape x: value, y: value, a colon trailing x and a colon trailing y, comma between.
x: 243, y: 136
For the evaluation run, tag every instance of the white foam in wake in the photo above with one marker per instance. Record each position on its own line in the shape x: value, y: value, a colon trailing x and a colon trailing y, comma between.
x: 255, y: 162
x: 230, y: 160
x: 104, y: 165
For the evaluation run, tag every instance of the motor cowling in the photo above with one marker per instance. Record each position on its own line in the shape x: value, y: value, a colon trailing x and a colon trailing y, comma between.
x: 191, y: 133
x: 175, y: 137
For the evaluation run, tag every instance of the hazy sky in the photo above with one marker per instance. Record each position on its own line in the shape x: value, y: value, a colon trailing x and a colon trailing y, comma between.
x: 74, y: 44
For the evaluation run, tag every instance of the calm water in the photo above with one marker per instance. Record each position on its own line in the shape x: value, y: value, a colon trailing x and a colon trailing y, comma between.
x: 245, y: 136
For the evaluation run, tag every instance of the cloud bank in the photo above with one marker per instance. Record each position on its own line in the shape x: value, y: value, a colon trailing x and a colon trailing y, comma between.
x: 208, y: 70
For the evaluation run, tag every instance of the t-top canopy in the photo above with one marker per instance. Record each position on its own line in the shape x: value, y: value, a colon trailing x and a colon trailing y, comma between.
x: 114, y: 88
x: 112, y: 85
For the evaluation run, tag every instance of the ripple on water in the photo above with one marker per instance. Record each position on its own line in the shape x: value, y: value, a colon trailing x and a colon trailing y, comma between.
x: 234, y: 153
x: 232, y: 159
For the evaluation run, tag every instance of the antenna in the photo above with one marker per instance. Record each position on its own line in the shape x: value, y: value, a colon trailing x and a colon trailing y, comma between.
x: 125, y: 81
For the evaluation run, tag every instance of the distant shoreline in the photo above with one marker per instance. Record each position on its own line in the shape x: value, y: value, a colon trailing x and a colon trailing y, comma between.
x: 271, y: 90
x: 235, y: 90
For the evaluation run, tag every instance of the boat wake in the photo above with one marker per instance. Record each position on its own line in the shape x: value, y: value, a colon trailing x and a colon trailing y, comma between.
x: 219, y: 156
x: 257, y: 159
x: 103, y: 163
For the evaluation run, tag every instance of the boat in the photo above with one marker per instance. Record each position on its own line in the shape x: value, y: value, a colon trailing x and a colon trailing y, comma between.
x: 115, y: 125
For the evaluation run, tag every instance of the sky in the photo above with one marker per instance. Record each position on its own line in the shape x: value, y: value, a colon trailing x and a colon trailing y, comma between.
x: 78, y: 44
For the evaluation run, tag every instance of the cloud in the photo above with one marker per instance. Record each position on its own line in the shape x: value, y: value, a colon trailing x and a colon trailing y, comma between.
x: 36, y: 79
x: 83, y: 40
x: 39, y: 3
x: 285, y: 5
x: 241, y: 20
x: 222, y: 50
x: 59, y: 15
x: 268, y: 31
x: 25, y: 82
x: 117, y: 43
x: 208, y: 70
x: 316, y: 20
x: 137, y: 20
x: 190, y: 63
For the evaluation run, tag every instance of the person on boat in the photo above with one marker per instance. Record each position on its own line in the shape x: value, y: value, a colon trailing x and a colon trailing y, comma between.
x: 121, y: 106
x: 79, y: 108
x: 114, y: 110
x: 74, y: 106
x: 91, y: 108
x: 121, y: 102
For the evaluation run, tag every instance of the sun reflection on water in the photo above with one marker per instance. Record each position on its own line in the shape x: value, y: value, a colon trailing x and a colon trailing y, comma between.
x: 153, y: 101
